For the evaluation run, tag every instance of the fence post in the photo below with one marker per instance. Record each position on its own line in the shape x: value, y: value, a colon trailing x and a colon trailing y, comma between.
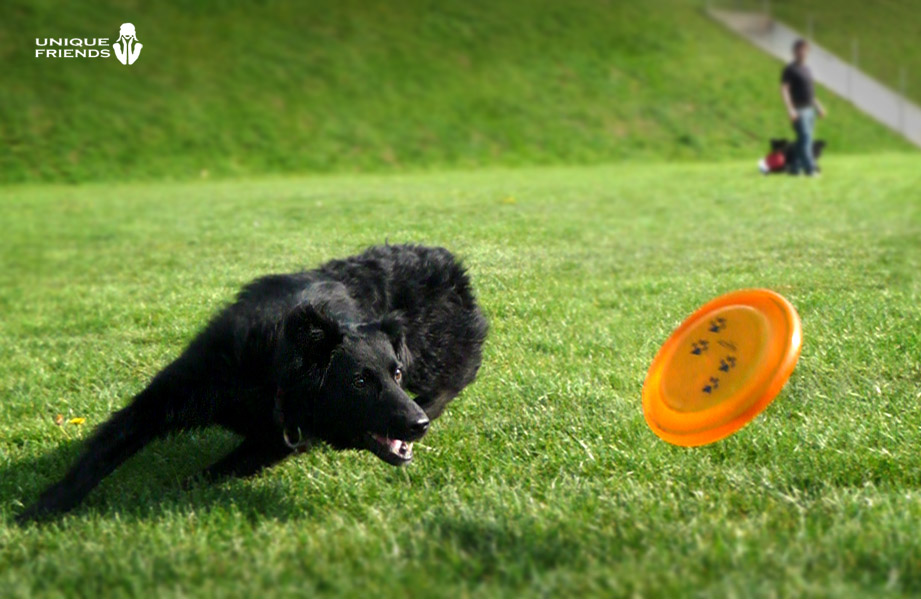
x: 855, y: 58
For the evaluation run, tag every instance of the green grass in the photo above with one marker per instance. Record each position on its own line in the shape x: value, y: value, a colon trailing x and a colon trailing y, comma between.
x: 887, y: 33
x: 225, y: 88
x: 542, y: 479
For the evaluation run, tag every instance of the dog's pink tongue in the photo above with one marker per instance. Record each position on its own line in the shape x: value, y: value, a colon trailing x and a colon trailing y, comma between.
x: 404, y: 449
x: 396, y: 446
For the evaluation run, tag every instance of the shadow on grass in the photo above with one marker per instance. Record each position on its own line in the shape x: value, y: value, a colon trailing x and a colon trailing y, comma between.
x: 159, y: 480
x: 540, y: 545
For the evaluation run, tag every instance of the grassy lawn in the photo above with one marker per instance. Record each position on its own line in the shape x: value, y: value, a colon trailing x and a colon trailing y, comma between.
x: 542, y: 479
x: 241, y: 88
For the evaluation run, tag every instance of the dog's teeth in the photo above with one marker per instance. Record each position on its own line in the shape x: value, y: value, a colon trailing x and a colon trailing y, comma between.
x: 406, y: 450
x: 395, y: 446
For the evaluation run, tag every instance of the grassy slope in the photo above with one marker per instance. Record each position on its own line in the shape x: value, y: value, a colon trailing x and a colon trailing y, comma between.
x: 888, y: 32
x: 237, y: 88
x: 543, y: 478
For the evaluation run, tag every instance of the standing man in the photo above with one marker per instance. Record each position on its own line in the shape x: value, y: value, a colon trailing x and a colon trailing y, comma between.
x: 798, y: 94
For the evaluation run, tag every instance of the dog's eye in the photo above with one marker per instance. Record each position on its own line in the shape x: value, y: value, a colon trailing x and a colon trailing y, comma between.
x: 358, y: 381
x: 398, y: 375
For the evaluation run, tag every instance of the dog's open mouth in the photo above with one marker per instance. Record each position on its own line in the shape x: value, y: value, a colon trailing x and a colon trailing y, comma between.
x: 393, y: 451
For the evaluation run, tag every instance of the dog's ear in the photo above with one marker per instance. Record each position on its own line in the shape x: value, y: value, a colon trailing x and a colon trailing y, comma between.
x: 393, y: 326
x: 312, y: 332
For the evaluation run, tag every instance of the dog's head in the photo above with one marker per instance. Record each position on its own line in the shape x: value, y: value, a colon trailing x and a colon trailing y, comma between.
x: 343, y: 384
x: 779, y: 145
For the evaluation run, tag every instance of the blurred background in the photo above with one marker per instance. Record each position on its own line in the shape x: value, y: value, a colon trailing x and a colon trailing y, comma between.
x: 594, y: 164
x: 237, y: 88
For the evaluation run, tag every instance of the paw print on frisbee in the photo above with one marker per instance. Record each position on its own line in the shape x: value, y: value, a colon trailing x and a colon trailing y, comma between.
x: 712, y: 385
x: 717, y: 324
x: 699, y: 347
x: 721, y: 367
x: 727, y: 363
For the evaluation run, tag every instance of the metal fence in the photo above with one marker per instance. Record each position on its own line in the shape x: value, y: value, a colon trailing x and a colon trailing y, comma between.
x: 842, y: 74
x: 815, y: 28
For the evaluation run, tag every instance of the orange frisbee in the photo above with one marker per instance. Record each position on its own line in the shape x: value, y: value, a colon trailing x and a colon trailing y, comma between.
x: 722, y: 367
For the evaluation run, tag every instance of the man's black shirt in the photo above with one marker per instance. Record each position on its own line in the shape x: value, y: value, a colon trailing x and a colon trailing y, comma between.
x: 800, y: 79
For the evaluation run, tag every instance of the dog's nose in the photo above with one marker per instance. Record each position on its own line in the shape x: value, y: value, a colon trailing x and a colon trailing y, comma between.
x: 419, y: 427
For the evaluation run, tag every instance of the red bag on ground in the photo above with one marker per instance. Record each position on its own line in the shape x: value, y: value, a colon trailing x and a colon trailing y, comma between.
x: 775, y: 161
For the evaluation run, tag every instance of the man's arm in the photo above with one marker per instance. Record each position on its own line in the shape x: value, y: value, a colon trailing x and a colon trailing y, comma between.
x: 788, y: 101
x: 820, y: 108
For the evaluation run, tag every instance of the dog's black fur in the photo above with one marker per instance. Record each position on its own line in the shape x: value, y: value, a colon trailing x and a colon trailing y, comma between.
x: 322, y: 355
x: 789, y: 150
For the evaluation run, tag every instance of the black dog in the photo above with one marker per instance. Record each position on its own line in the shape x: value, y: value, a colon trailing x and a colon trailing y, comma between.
x: 818, y: 146
x: 787, y: 150
x: 322, y: 355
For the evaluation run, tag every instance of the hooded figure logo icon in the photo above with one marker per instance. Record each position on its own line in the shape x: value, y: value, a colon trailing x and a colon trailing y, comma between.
x: 127, y: 48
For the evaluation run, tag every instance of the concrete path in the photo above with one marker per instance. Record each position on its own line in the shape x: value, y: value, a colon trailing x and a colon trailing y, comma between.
x: 866, y: 93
